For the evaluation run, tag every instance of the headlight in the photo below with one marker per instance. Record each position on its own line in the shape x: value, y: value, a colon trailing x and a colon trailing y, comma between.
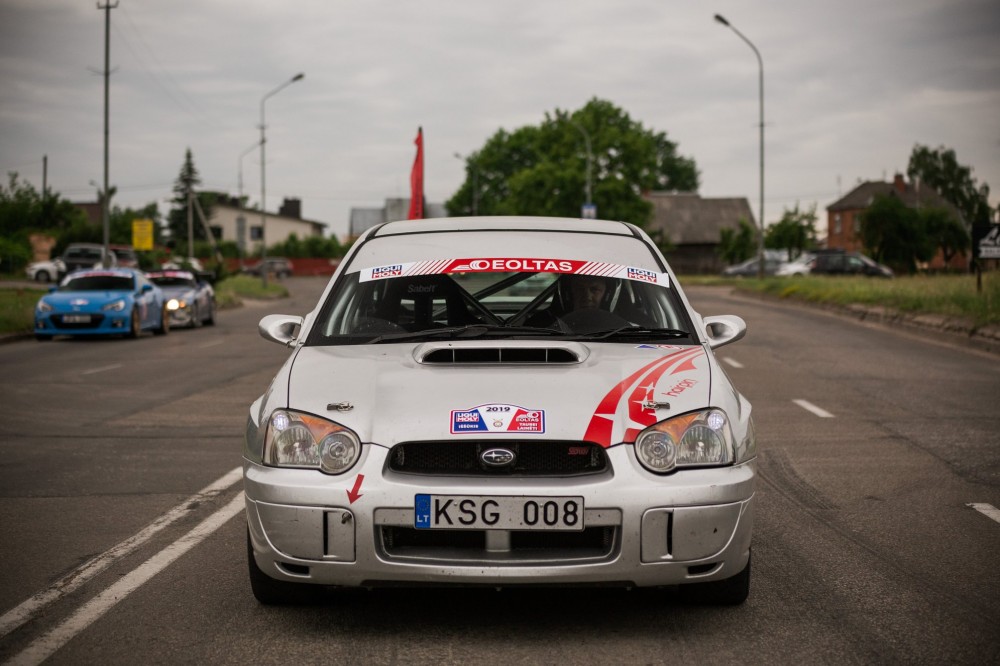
x: 117, y: 306
x: 697, y: 439
x: 174, y: 304
x: 294, y: 439
x: 44, y: 307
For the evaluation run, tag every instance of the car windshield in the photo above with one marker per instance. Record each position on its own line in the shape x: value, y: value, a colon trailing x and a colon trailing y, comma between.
x: 384, y: 304
x: 98, y: 282
x: 173, y: 281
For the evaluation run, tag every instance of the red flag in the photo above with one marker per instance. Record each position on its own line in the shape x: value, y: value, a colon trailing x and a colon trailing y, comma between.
x: 417, y: 180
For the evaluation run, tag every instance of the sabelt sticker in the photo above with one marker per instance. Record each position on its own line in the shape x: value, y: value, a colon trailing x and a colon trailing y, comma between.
x: 497, y: 418
x: 514, y: 264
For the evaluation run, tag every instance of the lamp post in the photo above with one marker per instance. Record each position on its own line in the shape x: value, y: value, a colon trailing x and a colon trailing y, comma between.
x: 241, y: 221
x: 263, y: 188
x: 760, y: 62
x: 475, y: 183
x: 588, y: 205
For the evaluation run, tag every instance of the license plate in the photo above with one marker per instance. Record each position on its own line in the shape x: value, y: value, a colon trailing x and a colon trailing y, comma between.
x: 485, y: 512
x: 76, y: 319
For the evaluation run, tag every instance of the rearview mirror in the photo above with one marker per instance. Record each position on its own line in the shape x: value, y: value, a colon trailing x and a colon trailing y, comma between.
x: 723, y: 329
x: 280, y: 328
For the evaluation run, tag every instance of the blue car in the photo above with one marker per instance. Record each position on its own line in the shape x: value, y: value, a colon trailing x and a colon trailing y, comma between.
x: 106, y: 301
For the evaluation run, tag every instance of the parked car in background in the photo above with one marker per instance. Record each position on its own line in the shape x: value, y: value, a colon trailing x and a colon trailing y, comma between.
x: 847, y: 263
x: 278, y: 266
x: 102, y: 301
x: 182, y: 264
x: 125, y: 255
x: 190, y: 301
x: 749, y: 268
x: 45, y: 271
x: 86, y: 255
x: 426, y: 430
x: 802, y: 265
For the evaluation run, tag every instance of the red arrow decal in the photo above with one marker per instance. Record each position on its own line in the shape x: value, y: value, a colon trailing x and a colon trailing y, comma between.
x: 355, y: 492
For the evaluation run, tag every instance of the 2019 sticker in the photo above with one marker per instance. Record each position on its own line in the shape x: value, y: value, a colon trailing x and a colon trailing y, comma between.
x: 495, y: 417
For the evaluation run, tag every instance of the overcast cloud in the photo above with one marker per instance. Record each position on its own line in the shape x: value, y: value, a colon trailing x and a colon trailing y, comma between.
x: 850, y: 87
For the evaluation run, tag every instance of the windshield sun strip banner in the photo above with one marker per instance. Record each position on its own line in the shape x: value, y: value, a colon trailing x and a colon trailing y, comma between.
x: 513, y: 265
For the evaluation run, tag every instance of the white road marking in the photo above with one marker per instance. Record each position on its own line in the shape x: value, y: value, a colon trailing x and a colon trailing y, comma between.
x: 733, y: 362
x: 45, y: 646
x: 809, y: 407
x: 20, y: 614
x: 987, y: 510
x: 102, y: 369
x: 213, y: 343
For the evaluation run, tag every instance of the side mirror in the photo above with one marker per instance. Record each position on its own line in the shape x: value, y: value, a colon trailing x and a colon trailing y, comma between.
x: 146, y: 288
x: 723, y: 329
x: 280, y: 328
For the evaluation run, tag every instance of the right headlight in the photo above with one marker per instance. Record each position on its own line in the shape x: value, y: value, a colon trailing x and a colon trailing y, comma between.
x: 295, y: 439
x: 699, y: 439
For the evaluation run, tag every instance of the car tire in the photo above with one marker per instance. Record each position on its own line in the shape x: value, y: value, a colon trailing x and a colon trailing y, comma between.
x: 728, y: 592
x: 42, y: 276
x: 195, y: 316
x: 134, y: 324
x: 210, y: 320
x: 164, y: 326
x: 272, y: 592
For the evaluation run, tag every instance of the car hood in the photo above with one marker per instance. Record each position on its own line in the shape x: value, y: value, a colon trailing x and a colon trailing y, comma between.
x: 84, y: 301
x: 402, y: 392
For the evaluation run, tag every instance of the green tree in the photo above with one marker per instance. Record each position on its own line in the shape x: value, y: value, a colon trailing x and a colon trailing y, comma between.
x: 948, y: 234
x: 177, y: 220
x: 940, y: 170
x: 895, y: 234
x: 794, y: 232
x: 543, y: 170
x: 736, y: 245
x: 24, y: 210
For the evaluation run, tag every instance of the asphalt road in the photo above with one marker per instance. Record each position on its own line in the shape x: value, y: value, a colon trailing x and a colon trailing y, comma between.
x: 123, y: 539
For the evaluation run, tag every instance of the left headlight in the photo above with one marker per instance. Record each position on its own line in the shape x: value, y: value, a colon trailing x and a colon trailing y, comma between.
x: 44, y: 307
x: 698, y: 439
x: 294, y: 439
x: 116, y: 306
x: 176, y: 304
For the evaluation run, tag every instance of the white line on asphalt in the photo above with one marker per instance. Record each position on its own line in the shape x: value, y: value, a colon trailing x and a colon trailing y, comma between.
x: 103, y: 369
x: 987, y: 510
x: 809, y: 407
x: 732, y: 362
x: 44, y: 647
x: 17, y: 616
x: 213, y: 343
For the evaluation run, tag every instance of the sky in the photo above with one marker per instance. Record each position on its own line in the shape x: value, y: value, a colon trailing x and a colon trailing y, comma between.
x: 850, y: 86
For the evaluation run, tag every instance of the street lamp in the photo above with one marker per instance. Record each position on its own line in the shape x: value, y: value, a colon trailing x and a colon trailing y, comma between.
x: 241, y: 220
x: 590, y: 158
x: 263, y: 189
x: 760, y: 62
x: 475, y: 183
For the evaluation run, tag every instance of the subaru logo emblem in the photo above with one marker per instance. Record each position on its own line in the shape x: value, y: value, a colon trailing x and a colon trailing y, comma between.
x: 497, y: 457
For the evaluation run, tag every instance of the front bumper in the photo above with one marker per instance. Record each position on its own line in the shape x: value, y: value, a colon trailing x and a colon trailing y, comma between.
x: 642, y: 529
x: 100, y: 323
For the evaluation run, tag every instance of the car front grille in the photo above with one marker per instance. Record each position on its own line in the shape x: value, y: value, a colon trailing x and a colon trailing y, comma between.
x: 523, y: 547
x: 95, y: 321
x: 531, y: 458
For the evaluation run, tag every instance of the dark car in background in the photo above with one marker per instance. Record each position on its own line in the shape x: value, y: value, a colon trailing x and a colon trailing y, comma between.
x: 278, y: 266
x: 85, y: 255
x: 125, y: 255
x: 847, y: 263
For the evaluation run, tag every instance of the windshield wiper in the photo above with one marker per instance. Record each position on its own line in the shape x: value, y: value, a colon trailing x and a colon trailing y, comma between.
x: 633, y: 331
x: 469, y: 331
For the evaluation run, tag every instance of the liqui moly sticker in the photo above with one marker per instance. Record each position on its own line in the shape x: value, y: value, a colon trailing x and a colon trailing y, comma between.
x: 497, y: 418
x: 515, y: 264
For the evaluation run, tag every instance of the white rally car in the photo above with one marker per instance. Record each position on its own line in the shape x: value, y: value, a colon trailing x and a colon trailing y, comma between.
x: 501, y: 401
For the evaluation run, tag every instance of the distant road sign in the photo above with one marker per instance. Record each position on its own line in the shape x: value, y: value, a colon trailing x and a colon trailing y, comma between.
x: 589, y: 211
x: 142, y: 234
x: 989, y: 245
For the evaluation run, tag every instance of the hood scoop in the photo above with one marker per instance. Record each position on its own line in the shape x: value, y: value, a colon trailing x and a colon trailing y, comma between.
x: 527, y: 352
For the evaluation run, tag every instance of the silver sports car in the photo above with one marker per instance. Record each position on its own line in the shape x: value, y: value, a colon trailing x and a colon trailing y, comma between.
x: 501, y: 401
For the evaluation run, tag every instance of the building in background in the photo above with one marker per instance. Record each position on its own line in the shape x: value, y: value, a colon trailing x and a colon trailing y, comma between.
x: 692, y: 226
x: 224, y: 221
x: 394, y: 210
x: 843, y: 216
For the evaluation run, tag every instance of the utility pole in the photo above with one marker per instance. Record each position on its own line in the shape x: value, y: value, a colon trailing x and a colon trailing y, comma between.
x: 105, y: 216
